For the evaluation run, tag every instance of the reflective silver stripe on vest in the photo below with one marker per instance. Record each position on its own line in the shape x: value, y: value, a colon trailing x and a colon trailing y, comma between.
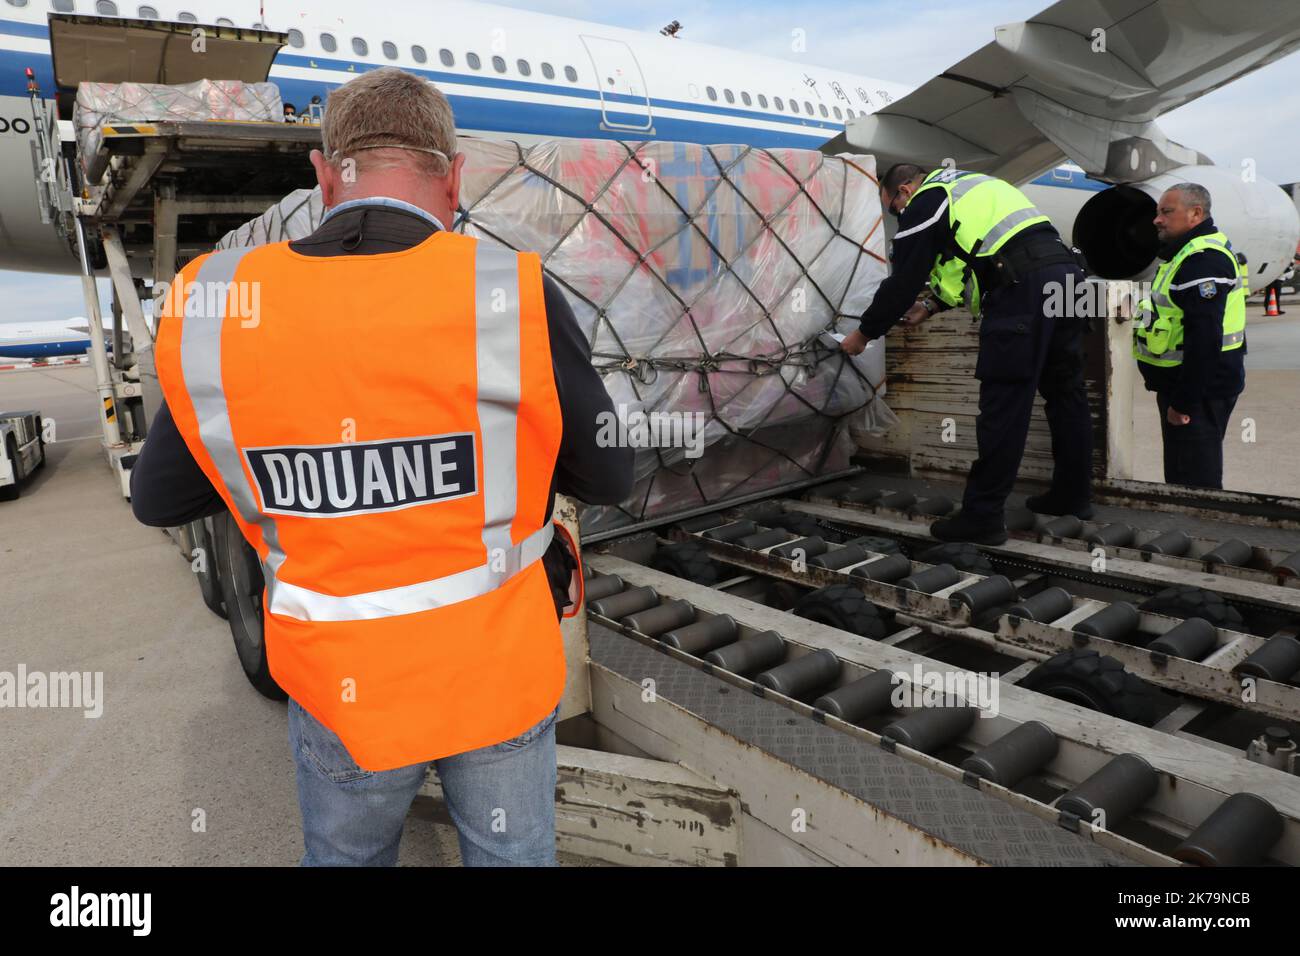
x: 1231, y: 338
x: 305, y: 605
x: 201, y: 367
x: 497, y: 335
x: 1011, y: 221
x: 1172, y: 356
x: 965, y: 184
x: 497, y: 324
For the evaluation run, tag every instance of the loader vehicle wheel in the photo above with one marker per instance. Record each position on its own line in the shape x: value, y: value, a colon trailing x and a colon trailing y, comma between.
x: 687, y: 560
x: 240, y: 572
x: 1187, y: 600
x: 1083, y: 676
x: 961, y: 555
x: 209, y: 573
x: 845, y: 607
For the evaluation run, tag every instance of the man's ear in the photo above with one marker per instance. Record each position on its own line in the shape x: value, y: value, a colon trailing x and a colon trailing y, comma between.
x: 325, y: 176
x: 453, y: 182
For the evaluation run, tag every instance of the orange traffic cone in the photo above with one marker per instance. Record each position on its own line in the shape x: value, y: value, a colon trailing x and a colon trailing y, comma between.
x: 1270, y: 308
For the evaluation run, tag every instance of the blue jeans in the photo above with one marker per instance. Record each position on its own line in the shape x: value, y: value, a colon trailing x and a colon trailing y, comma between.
x: 501, y: 798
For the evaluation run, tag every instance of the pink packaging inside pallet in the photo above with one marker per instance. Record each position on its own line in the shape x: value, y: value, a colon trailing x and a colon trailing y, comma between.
x: 707, y: 280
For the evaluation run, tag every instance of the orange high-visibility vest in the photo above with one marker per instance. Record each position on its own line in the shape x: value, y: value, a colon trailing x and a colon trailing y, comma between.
x: 384, y: 429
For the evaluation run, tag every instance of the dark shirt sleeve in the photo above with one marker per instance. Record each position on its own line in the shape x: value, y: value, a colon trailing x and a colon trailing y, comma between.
x: 583, y: 469
x: 168, y: 488
x: 1202, y: 323
x: 923, y: 233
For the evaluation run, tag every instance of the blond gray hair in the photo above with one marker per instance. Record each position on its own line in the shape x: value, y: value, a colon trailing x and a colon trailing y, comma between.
x: 1194, y: 194
x: 389, y: 117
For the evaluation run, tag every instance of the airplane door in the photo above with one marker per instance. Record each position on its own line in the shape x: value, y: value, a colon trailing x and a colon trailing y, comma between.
x: 624, y: 99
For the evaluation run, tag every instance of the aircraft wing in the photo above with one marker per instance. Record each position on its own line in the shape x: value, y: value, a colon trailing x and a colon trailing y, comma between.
x: 1083, y: 80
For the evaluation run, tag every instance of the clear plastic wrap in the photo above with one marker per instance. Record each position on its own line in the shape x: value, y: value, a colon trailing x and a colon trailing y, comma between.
x: 102, y: 104
x: 706, y: 279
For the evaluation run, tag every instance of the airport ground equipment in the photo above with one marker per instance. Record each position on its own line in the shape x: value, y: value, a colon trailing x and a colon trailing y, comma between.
x: 22, y: 451
x: 163, y: 192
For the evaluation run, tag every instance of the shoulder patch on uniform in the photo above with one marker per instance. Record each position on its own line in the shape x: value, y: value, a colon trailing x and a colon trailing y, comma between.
x: 1208, y: 289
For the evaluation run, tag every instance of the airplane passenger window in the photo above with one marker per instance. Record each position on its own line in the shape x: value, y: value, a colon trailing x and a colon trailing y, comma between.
x: 731, y: 97
x: 762, y: 101
x: 147, y: 13
x: 390, y: 50
x: 548, y: 71
x: 447, y: 58
x: 418, y: 54
x: 807, y: 107
x: 359, y: 46
x: 822, y: 107
x: 106, y: 8
x: 260, y: 26
x: 473, y: 60
x: 498, y: 64
x: 328, y: 43
x: 571, y: 74
x: 17, y: 3
x: 794, y: 106
x: 713, y: 94
x: 779, y: 104
x: 186, y: 17
x: 63, y: 6
x: 295, y: 36
x: 744, y: 98
x: 838, y: 114
x: 224, y: 22
x: 523, y: 67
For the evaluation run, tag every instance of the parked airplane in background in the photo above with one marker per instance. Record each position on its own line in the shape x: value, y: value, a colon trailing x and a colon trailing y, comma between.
x: 40, y: 340
x: 515, y: 74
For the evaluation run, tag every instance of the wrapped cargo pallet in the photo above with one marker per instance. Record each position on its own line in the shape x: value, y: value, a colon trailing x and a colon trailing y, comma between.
x: 107, y: 104
x: 709, y: 281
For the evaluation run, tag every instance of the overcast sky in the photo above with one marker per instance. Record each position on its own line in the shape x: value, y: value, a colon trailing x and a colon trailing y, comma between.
x: 1257, y: 117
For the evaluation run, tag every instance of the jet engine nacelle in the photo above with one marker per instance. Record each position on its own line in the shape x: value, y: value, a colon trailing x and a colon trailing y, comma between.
x: 1114, y: 229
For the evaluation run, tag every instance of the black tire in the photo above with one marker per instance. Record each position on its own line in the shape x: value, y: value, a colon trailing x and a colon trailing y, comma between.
x: 240, y: 572
x: 210, y: 575
x: 40, y: 437
x: 845, y: 607
x: 961, y: 555
x: 1186, y: 600
x: 1082, y: 676
x: 687, y: 560
x: 11, y: 492
x: 878, y: 544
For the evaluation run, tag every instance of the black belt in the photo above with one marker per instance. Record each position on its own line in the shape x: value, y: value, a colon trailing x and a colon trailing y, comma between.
x: 1019, y: 258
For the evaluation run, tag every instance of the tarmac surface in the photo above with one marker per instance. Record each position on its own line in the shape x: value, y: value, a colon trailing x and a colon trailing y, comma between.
x: 188, y: 764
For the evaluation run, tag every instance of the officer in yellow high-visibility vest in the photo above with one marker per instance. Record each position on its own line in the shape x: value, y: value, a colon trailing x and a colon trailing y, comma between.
x: 1190, y: 337
x: 978, y: 241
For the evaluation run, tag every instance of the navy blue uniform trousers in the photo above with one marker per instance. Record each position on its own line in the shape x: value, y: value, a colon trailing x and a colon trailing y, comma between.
x: 1194, y: 452
x: 1022, y: 349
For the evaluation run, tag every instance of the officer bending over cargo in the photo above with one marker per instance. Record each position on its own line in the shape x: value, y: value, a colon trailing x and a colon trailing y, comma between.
x: 978, y: 241
x: 1190, y: 341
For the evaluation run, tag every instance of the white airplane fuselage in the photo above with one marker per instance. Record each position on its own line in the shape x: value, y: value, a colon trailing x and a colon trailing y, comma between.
x: 509, y: 74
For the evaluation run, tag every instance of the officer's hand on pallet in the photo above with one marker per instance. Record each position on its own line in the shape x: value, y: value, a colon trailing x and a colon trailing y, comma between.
x: 1176, y: 417
x: 855, y: 342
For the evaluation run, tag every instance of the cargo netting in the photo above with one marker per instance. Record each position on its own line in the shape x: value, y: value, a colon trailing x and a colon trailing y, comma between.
x: 709, y: 281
